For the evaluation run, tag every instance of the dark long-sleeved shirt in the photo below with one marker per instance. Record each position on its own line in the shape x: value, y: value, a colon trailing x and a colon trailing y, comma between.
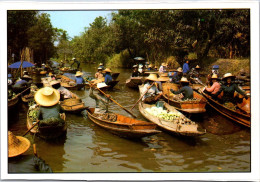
x: 229, y: 91
x: 108, y: 78
x: 49, y: 112
x: 175, y: 78
x: 186, y: 91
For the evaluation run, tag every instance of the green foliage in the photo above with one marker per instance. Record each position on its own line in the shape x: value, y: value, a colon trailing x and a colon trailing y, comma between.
x: 120, y: 60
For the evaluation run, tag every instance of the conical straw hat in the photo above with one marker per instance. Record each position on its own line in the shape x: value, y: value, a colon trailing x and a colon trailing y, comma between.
x: 179, y: 69
x: 198, y: 67
x: 228, y: 75
x: 163, y: 77
x: 152, y: 77
x: 163, y: 64
x: 17, y: 145
x: 184, y: 79
x: 47, y: 96
x: 107, y: 70
x: 215, y: 76
x: 79, y: 73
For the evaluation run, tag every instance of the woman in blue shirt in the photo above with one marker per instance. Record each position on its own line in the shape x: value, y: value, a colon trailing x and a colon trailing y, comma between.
x: 108, y: 77
x: 79, y: 79
x: 186, y: 68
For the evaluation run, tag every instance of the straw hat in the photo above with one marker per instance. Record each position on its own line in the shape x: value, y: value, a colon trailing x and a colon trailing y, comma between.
x: 155, y: 67
x: 215, y: 76
x: 152, y: 77
x: 99, y: 68
x: 47, y: 96
x: 54, y: 82
x: 179, y: 69
x: 135, y: 66
x: 73, y: 58
x: 50, y: 74
x: 197, y: 67
x: 184, y: 79
x: 17, y: 145
x: 43, y: 64
x: 163, y: 77
x: 163, y: 64
x: 27, y: 77
x: 149, y: 66
x: 79, y: 73
x: 107, y: 70
x: 228, y: 75
x: 100, y: 64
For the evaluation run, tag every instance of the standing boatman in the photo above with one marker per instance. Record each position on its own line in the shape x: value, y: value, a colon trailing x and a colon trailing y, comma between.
x: 186, y: 67
x: 75, y: 61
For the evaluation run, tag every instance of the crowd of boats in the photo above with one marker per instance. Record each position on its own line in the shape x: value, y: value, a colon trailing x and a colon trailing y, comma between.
x: 169, y: 113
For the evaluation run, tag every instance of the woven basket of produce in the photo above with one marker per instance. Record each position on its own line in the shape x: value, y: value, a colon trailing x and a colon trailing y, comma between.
x: 72, y: 101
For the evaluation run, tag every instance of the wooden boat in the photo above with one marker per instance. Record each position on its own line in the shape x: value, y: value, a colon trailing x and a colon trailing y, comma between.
x: 69, y: 83
x: 46, y: 132
x: 115, y: 75
x: 12, y: 103
x: 112, y: 84
x: 241, y: 115
x: 122, y: 126
x: 133, y: 82
x: 68, y: 70
x: 180, y: 126
x: 189, y: 106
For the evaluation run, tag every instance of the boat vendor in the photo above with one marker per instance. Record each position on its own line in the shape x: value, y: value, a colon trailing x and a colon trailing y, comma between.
x: 64, y: 93
x: 101, y: 65
x: 214, y: 88
x: 229, y: 88
x: 186, y: 68
x: 108, y: 77
x: 17, y: 145
x: 22, y: 84
x: 99, y: 74
x: 75, y: 61
x: 153, y: 94
x: 185, y: 90
x: 135, y: 73
x: 49, y: 112
x: 79, y: 79
x: 176, y: 76
x: 162, y: 68
x: 98, y: 96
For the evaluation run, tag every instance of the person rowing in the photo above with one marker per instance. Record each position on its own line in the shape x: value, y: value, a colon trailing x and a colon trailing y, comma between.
x: 185, y: 90
x: 153, y: 94
x: 108, y: 77
x: 229, y: 88
x: 64, y: 93
x: 99, y: 74
x: 214, y: 88
x: 177, y: 76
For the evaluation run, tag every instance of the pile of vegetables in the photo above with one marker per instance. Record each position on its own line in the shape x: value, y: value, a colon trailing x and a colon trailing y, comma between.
x: 168, y: 115
x: 33, y: 111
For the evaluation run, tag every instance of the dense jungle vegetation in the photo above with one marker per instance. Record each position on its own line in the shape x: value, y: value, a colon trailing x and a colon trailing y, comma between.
x: 157, y: 35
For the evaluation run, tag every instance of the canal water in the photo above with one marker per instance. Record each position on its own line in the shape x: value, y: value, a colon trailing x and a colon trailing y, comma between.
x: 88, y: 148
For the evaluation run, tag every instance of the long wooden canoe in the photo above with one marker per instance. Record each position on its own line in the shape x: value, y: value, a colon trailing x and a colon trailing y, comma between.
x: 69, y: 83
x: 133, y: 82
x: 239, y: 116
x: 46, y: 132
x: 123, y: 126
x: 180, y: 126
x: 189, y: 106
x: 115, y: 75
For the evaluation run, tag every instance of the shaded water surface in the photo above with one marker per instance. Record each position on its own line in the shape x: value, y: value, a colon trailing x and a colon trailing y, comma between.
x: 88, y: 148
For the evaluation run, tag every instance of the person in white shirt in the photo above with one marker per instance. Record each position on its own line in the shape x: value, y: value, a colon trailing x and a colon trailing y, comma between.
x: 153, y: 94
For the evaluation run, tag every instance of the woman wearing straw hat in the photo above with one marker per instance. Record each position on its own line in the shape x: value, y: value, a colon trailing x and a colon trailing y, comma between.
x: 101, y: 65
x: 162, y: 68
x: 64, y: 93
x: 49, y: 112
x: 153, y: 94
x: 214, y: 88
x: 185, y: 89
x: 108, y: 77
x: 17, y: 145
x: 177, y: 76
x: 79, y: 79
x: 229, y: 89
x: 135, y: 73
x: 99, y: 74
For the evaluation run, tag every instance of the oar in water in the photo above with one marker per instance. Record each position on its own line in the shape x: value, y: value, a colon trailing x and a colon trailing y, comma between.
x: 31, y: 127
x: 142, y: 95
x: 113, y: 100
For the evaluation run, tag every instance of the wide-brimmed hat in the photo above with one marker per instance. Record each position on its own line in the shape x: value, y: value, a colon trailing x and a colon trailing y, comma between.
x: 78, y: 73
x: 163, y: 64
x: 99, y: 68
x: 152, y: 77
x: 179, y: 69
x: 107, y: 70
x: 43, y: 64
x: 17, y: 145
x: 197, y: 67
x: 149, y: 66
x: 164, y: 77
x: 184, y: 79
x: 215, y: 76
x: 73, y: 58
x: 27, y: 77
x: 100, y: 64
x: 50, y: 74
x: 47, y: 96
x: 228, y: 75
x: 135, y: 66
x: 25, y: 72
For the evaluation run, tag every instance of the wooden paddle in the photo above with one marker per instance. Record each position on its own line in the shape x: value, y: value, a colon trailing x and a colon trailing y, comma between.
x: 31, y: 127
x: 142, y: 95
x: 22, y: 91
x: 113, y: 100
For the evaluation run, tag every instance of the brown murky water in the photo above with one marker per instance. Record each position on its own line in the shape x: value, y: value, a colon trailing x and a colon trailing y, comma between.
x: 89, y: 148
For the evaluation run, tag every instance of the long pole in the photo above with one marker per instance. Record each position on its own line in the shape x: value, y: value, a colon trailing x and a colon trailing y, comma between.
x: 31, y: 127
x: 113, y: 100
x: 142, y: 96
